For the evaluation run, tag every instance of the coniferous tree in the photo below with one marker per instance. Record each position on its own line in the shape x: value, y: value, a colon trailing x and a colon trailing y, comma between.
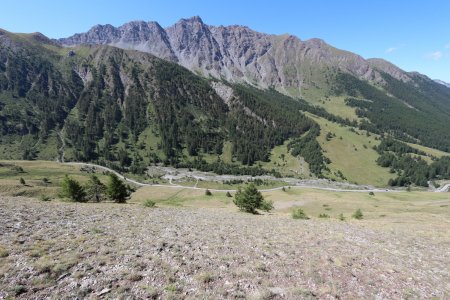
x: 72, y: 189
x: 116, y: 189
x: 250, y: 199
x: 95, y: 189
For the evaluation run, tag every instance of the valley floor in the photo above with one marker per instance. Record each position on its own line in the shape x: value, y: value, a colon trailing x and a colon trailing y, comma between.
x: 68, y: 250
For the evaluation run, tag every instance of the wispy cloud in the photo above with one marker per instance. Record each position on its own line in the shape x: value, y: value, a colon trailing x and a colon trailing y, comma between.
x: 437, y: 55
x: 392, y: 49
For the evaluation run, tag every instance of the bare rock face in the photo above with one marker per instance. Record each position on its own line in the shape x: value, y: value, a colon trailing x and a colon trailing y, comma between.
x: 237, y: 53
x: 387, y: 67
x: 443, y: 83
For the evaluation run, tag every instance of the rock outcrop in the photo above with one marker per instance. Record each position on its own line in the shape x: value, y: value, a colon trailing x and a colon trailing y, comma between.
x: 237, y: 53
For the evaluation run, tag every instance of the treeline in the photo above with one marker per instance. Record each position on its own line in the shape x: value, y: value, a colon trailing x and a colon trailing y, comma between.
x: 222, y: 168
x: 410, y: 167
x: 258, y: 121
x: 308, y: 147
x: 409, y: 119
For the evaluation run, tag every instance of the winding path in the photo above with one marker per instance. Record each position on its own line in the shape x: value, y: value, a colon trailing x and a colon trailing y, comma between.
x: 444, y: 188
x: 172, y: 185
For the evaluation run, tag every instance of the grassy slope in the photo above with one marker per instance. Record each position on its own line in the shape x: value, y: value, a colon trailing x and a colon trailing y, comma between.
x: 430, y: 151
x: 287, y: 165
x: 348, y: 155
x: 34, y: 172
x: 382, y: 209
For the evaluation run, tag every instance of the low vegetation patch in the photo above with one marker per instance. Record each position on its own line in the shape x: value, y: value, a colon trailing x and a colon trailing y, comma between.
x: 149, y: 203
x: 358, y: 215
x: 324, y: 216
x: 45, y: 198
x: 298, y: 213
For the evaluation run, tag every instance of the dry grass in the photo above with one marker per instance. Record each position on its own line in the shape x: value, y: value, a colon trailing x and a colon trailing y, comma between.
x: 73, y: 250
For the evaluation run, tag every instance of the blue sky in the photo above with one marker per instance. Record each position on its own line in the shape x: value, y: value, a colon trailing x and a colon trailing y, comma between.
x: 415, y: 35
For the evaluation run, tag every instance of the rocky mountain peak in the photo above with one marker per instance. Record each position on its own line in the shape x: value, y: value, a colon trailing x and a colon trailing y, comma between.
x: 389, y: 68
x: 236, y: 53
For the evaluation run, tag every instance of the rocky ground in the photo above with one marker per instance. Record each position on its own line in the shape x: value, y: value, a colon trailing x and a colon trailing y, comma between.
x: 64, y: 251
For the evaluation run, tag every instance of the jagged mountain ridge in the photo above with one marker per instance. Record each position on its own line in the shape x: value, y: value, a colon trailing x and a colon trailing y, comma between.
x: 443, y: 83
x: 237, y: 53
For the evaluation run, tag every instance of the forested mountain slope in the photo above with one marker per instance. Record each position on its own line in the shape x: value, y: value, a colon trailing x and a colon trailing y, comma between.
x: 128, y: 108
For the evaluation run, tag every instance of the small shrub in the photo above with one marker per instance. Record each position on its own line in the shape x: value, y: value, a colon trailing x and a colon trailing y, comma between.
x: 358, y: 215
x: 134, y: 277
x: 208, y: 192
x: 22, y: 181
x: 324, y: 216
x: 205, y: 278
x: 44, y: 198
x: 149, y: 203
x: 298, y: 213
x: 3, y: 252
x: 371, y: 194
x: 19, y: 290
x: 341, y: 217
x: 18, y: 169
x: 228, y: 194
x: 267, y: 205
x: 283, y: 189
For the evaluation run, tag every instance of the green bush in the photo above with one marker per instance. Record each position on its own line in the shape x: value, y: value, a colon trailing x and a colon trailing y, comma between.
x: 267, y: 205
x: 324, y: 216
x: 228, y: 194
x: 341, y: 217
x: 19, y: 289
x: 44, y: 198
x: 298, y: 213
x: 250, y: 199
x: 22, y: 181
x: 371, y: 194
x: 208, y: 192
x: 358, y: 214
x: 149, y: 203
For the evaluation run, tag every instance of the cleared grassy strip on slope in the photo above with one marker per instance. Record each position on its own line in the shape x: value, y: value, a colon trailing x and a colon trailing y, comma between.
x: 352, y: 155
x: 282, y: 161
